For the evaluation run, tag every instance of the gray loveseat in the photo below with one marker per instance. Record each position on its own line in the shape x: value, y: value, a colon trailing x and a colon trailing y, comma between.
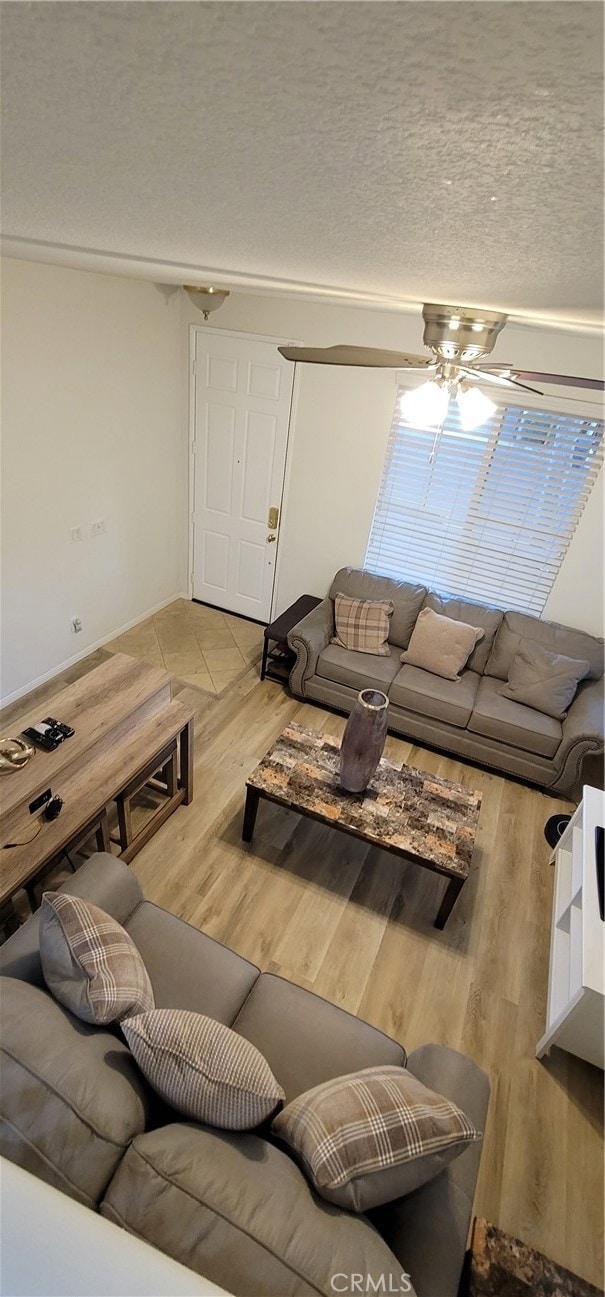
x: 233, y: 1207
x: 468, y: 717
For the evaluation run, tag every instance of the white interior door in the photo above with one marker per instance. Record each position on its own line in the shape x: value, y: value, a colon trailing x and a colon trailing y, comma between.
x: 242, y: 392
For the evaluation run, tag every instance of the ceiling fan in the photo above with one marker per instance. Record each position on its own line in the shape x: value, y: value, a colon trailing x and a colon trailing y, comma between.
x: 460, y: 338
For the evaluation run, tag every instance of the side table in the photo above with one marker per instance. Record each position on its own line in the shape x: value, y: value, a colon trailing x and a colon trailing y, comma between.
x: 278, y: 661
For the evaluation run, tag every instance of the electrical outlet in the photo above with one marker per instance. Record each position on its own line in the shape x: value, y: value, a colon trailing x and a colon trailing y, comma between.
x: 75, y: 534
x: 97, y: 528
x: 76, y: 625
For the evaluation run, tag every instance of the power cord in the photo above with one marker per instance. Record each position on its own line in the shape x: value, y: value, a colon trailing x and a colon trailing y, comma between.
x: 52, y: 809
x: 26, y: 843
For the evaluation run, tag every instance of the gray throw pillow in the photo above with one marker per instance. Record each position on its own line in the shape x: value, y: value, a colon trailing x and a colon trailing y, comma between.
x: 441, y: 645
x: 89, y: 961
x: 203, y: 1069
x: 543, y: 680
x: 373, y: 1136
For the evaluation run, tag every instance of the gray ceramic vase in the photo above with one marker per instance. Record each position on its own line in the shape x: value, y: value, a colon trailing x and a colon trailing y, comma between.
x: 363, y: 740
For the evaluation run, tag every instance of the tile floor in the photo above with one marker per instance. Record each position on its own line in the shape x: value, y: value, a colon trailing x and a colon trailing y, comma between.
x: 206, y: 648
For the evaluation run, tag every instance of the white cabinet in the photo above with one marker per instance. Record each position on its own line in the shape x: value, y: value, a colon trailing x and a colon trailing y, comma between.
x: 575, y: 1011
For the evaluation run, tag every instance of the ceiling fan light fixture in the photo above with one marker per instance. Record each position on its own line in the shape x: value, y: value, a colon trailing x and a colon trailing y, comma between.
x: 474, y: 408
x: 425, y: 406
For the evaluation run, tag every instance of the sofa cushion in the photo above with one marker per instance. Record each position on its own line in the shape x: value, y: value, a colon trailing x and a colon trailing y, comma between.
x: 476, y: 614
x: 373, y: 1136
x: 559, y: 639
x: 441, y: 645
x: 358, y: 669
x: 203, y: 1069
x: 188, y: 969
x: 72, y: 1096
x: 89, y: 961
x: 513, y: 723
x: 306, y: 1040
x: 239, y: 1211
x: 407, y: 598
x: 429, y: 695
x: 544, y: 680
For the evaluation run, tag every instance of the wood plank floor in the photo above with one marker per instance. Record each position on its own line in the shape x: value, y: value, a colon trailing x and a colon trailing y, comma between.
x: 356, y: 925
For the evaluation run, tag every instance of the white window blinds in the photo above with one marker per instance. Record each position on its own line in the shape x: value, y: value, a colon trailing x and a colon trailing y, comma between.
x: 488, y: 514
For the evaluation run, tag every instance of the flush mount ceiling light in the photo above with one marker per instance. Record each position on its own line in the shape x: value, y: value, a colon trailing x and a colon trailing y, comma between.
x: 206, y: 299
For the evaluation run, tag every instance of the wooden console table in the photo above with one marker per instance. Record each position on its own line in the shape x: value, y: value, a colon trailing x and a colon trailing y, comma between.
x: 129, y: 733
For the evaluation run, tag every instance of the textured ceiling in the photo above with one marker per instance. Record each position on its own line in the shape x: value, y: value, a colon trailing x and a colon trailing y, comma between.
x: 424, y: 150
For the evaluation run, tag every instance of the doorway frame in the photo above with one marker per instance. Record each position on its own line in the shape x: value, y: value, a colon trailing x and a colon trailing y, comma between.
x: 245, y: 335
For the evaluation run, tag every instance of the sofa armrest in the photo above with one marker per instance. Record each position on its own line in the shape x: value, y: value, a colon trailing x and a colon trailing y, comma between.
x: 307, y: 639
x: 427, y: 1230
x: 103, y: 879
x: 583, y: 737
x: 586, y: 716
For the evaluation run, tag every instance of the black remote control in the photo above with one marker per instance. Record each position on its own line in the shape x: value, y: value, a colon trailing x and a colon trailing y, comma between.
x: 44, y: 737
x: 65, y: 730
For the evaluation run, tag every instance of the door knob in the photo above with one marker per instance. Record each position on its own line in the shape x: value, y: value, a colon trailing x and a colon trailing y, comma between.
x: 270, y: 538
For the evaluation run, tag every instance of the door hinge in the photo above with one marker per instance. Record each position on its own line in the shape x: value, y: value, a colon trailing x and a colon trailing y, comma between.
x: 194, y: 447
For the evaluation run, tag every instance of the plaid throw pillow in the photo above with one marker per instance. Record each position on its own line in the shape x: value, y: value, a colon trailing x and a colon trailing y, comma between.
x: 203, y: 1069
x: 89, y: 962
x: 373, y: 1136
x: 362, y: 624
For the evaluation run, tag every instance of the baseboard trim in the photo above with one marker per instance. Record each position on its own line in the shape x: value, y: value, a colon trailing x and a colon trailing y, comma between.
x: 90, y: 648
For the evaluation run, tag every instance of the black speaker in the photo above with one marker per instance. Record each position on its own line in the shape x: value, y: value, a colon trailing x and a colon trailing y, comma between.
x: 555, y: 827
x: 53, y: 809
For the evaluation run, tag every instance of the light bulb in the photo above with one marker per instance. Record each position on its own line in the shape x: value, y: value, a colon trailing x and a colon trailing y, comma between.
x: 425, y: 406
x: 474, y: 407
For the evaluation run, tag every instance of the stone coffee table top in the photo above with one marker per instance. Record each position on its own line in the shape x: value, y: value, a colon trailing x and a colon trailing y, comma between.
x: 502, y: 1265
x: 402, y: 809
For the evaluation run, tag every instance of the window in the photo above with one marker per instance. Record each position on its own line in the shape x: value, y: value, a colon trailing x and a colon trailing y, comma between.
x: 488, y: 514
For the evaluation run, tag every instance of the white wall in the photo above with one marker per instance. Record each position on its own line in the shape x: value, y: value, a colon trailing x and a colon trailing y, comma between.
x: 339, y: 435
x: 91, y: 428
x: 95, y: 375
x: 576, y: 598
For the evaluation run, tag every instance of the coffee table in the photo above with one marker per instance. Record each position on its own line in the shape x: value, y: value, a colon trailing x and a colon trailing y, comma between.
x: 418, y: 816
x: 499, y: 1264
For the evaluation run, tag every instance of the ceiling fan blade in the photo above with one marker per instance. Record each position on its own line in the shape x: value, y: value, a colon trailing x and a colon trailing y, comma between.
x: 565, y: 380
x: 370, y: 357
x: 498, y: 380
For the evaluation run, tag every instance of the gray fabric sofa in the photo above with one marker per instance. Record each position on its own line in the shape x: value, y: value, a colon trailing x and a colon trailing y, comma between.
x: 233, y: 1207
x: 468, y: 717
